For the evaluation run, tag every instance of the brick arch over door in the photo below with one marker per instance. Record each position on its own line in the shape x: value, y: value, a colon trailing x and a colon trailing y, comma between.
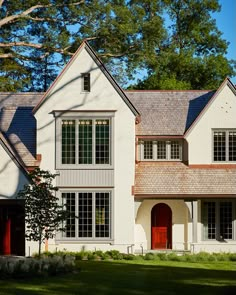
x: 161, y: 223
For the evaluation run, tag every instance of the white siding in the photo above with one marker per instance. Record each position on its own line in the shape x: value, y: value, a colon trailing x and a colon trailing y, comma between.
x: 220, y: 114
x: 12, y: 179
x: 67, y: 95
x: 83, y: 178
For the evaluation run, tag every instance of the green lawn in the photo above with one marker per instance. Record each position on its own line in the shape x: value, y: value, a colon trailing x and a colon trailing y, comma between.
x: 135, y: 278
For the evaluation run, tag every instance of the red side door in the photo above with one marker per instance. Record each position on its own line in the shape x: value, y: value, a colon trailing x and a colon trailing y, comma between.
x: 161, y: 227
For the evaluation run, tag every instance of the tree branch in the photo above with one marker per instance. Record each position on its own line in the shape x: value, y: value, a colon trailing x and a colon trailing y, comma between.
x: 15, y: 17
x: 37, y: 46
x: 6, y: 55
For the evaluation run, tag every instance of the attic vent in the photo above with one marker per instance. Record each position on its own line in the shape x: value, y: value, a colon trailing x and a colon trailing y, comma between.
x: 85, y: 82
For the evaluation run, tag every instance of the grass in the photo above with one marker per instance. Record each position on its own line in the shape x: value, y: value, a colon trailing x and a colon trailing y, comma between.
x: 134, y: 278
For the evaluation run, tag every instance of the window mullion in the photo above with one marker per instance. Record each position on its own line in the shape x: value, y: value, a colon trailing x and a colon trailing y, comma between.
x: 77, y: 142
x: 167, y: 150
x: 76, y: 214
x: 154, y: 150
x: 93, y: 214
x: 93, y: 141
x: 217, y: 208
x: 227, y: 145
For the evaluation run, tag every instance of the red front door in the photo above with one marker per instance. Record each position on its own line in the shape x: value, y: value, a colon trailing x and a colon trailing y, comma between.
x: 12, y: 228
x: 161, y: 227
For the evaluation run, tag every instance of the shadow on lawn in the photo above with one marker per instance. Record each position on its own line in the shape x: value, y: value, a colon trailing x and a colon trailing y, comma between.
x: 101, y: 278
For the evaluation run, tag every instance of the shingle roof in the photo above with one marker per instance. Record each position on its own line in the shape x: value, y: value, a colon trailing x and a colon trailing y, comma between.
x: 18, y: 124
x: 175, y: 178
x: 4, y: 142
x: 23, y: 99
x: 167, y: 112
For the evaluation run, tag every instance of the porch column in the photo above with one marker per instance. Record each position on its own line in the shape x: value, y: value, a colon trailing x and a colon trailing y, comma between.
x: 193, y: 211
x: 137, y: 204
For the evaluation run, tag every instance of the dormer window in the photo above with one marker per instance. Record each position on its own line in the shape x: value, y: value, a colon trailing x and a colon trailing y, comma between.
x: 85, y: 82
x: 161, y: 150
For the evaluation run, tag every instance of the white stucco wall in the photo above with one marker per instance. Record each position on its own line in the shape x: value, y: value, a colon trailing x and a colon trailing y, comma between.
x: 67, y: 95
x: 12, y: 179
x: 179, y: 224
x: 221, y: 114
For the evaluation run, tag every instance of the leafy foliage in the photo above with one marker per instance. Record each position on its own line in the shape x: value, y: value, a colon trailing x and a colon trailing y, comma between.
x: 43, y: 214
x: 187, y: 51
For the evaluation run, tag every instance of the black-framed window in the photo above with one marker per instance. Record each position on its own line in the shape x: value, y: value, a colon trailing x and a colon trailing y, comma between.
x: 89, y: 214
x: 218, y: 218
x: 224, y: 145
x: 86, y: 141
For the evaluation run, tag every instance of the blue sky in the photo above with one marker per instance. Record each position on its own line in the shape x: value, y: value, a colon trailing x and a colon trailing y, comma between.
x: 226, y: 23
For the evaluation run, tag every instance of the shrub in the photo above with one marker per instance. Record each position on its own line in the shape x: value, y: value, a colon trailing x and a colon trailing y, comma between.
x: 130, y: 257
x: 162, y: 256
x: 151, y: 256
x: 174, y: 257
x: 114, y: 254
x: 30, y: 267
x: 232, y: 257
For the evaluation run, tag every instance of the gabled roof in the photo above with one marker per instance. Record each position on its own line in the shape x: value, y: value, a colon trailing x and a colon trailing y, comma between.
x: 102, y: 67
x: 225, y: 83
x: 12, y: 153
x: 168, y: 112
x: 18, y: 123
x: 22, y: 99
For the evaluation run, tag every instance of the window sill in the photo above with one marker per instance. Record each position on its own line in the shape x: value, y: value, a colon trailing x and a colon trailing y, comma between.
x: 216, y: 242
x: 80, y: 241
x: 84, y: 167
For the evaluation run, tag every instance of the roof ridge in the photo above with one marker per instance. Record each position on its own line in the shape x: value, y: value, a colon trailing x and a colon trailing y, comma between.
x: 160, y: 90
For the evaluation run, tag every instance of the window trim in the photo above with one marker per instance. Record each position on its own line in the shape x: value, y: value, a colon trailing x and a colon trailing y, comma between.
x: 217, y: 220
x: 59, y: 235
x: 226, y: 130
x: 167, y: 148
x: 60, y: 115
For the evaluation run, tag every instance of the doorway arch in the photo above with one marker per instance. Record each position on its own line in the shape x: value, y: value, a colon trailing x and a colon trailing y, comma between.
x: 161, y: 223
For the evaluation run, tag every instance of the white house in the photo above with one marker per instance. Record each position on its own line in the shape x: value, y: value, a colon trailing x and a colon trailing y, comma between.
x: 143, y: 170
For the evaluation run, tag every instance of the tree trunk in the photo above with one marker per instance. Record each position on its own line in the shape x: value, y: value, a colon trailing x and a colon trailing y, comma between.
x: 40, y: 243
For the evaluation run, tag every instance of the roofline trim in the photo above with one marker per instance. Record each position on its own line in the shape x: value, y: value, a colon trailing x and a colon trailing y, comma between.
x: 166, y: 90
x: 10, y: 151
x: 183, y: 196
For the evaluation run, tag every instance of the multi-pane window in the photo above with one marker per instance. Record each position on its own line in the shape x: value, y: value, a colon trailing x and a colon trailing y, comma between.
x: 174, y: 150
x: 68, y: 142
x: 70, y: 207
x: 85, y: 82
x: 85, y: 141
x: 226, y: 226
x: 89, y: 215
x: 224, y: 145
x: 217, y: 220
x: 147, y: 150
x: 161, y: 150
x: 209, y: 220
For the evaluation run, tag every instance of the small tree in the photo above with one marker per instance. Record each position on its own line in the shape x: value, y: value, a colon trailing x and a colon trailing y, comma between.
x: 43, y: 213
